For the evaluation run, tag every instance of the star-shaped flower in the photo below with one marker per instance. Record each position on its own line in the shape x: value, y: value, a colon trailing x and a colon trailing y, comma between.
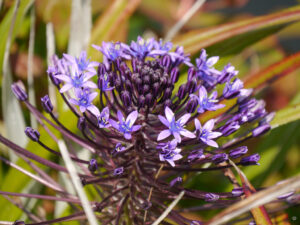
x: 125, y: 126
x: 206, y: 134
x: 175, y: 128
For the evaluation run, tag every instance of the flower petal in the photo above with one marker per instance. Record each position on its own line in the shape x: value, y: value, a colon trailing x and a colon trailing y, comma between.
x: 163, y: 120
x: 182, y: 120
x: 120, y: 116
x: 131, y: 118
x: 169, y: 114
x: 164, y: 134
x: 187, y: 133
x: 209, y: 125
x: 198, y: 125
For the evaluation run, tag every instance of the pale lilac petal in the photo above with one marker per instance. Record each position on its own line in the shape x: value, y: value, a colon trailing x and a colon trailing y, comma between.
x: 164, y: 134
x: 187, y: 133
x: 209, y: 125
x: 212, y: 61
x: 198, y: 124
x: 120, y: 116
x: 97, y: 47
x: 94, y: 110
x: 127, y: 136
x: 89, y: 84
x: 82, y: 109
x: 88, y: 75
x: 214, y: 135
x: 69, y: 58
x: 64, y: 78
x: 212, y: 143
x: 135, y: 128
x: 169, y: 114
x: 93, y: 64
x: 131, y: 118
x: 177, y: 157
x: 161, y: 157
x: 171, y: 162
x: 73, y: 101
x: 177, y: 136
x: 65, y: 88
x: 92, y: 96
x: 114, y: 124
x: 163, y: 120
x: 202, y: 93
x: 184, y: 119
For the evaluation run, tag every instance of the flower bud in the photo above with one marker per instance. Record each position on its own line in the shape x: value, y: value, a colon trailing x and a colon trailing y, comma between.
x: 236, y: 192
x: 219, y: 158
x: 93, y: 166
x: 125, y: 96
x: 81, y: 124
x: 175, y: 181
x: 181, y: 91
x: 238, y: 152
x: 260, y: 130
x: 192, y: 104
x: 250, y: 160
x: 33, y: 134
x: 118, y: 171
x: 20, y: 94
x: 191, y: 73
x: 174, y: 75
x: 46, y: 104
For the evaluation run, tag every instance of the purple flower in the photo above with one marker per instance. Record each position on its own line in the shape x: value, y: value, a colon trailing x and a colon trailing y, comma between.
x: 237, y: 192
x: 219, y: 158
x: 169, y: 152
x: 118, y: 171
x: 93, y: 166
x: 208, y: 103
x: 179, y: 57
x: 205, y: 69
x: 103, y: 118
x: 83, y: 64
x: 227, y: 73
x: 84, y: 100
x: 76, y: 79
x: 232, y: 89
x: 112, y: 51
x: 161, y: 48
x: 125, y: 126
x: 175, y: 128
x: 206, y: 134
x: 119, y: 148
x: 104, y: 83
x: 141, y: 48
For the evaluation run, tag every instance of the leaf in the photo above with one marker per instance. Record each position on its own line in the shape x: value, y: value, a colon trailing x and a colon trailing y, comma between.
x: 108, y: 25
x: 233, y: 37
x: 12, y: 113
x: 273, y: 72
x: 6, y: 22
x: 81, y: 24
x: 286, y: 115
x: 259, y: 213
x: 259, y: 198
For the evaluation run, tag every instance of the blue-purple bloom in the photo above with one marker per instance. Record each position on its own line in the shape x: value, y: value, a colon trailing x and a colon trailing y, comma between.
x: 205, y: 69
x: 76, y: 79
x: 103, y: 118
x: 175, y: 128
x: 84, y: 99
x: 208, y: 103
x: 141, y: 48
x: 82, y: 63
x: 119, y: 148
x: 104, y: 83
x: 232, y: 89
x: 205, y: 133
x: 118, y: 171
x: 125, y: 126
x: 169, y: 152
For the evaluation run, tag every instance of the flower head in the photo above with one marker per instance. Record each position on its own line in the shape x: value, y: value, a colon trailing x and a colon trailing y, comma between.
x: 142, y: 125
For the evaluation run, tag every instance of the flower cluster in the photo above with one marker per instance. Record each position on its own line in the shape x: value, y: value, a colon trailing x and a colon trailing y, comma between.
x: 143, y: 122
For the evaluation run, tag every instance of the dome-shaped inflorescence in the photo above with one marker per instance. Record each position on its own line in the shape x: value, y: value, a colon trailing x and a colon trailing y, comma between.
x: 148, y: 123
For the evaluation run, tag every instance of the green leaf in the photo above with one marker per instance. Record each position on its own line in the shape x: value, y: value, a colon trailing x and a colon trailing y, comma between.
x: 6, y: 22
x: 108, y: 25
x: 233, y: 37
x: 286, y: 115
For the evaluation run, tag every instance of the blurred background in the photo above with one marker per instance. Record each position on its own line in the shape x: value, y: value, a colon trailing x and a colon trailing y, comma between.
x: 124, y: 21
